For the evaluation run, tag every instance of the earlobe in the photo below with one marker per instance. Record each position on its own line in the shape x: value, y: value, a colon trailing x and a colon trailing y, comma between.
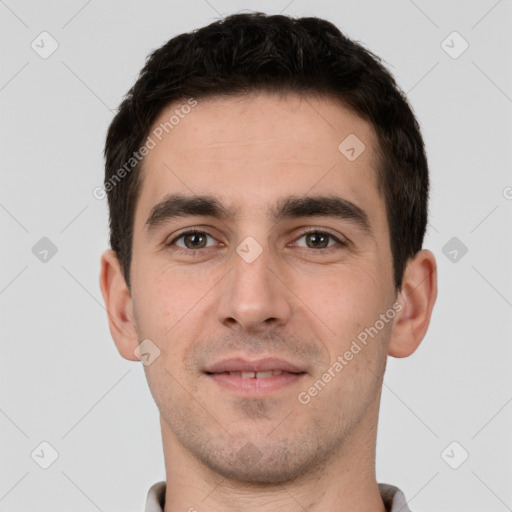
x: 417, y: 297
x: 119, y: 305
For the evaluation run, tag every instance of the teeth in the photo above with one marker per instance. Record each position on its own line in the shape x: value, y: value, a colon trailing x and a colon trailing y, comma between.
x: 264, y: 375
x: 256, y: 375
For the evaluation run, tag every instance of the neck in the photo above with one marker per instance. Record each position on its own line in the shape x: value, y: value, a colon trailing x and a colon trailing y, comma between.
x: 345, y: 482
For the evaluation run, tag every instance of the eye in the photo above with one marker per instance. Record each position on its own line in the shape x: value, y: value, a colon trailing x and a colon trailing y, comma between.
x: 319, y: 240
x: 192, y: 239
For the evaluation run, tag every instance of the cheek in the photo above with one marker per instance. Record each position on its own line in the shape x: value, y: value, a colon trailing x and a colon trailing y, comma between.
x: 173, y: 306
x: 164, y: 296
x: 346, y: 300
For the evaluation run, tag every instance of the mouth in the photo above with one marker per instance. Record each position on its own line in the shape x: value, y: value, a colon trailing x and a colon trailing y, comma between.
x: 254, y: 378
x: 254, y: 375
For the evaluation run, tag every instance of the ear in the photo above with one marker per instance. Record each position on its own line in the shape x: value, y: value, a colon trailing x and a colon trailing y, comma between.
x: 119, y: 306
x: 417, y: 297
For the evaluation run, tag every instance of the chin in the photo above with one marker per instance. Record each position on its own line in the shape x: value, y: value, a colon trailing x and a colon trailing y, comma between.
x: 271, y: 464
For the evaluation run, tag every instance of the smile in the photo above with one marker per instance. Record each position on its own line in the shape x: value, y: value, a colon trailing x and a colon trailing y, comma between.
x: 256, y: 375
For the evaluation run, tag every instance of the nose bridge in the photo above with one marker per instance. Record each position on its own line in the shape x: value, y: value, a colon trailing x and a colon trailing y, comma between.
x: 252, y: 295
x: 251, y: 263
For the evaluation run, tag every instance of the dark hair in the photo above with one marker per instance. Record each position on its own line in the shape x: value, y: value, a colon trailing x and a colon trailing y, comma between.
x: 275, y: 53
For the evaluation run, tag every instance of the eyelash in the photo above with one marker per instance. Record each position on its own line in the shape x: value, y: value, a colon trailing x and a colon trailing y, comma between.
x: 202, y: 232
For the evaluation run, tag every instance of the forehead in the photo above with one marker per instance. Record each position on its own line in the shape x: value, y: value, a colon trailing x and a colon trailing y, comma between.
x: 252, y: 150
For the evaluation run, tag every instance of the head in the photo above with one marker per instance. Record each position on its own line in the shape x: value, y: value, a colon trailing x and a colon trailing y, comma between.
x: 255, y: 52
x: 298, y: 161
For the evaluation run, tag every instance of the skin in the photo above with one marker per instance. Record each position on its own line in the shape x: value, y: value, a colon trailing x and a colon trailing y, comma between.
x: 298, y: 300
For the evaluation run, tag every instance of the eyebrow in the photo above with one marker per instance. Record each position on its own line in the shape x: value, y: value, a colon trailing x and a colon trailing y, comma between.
x: 174, y: 206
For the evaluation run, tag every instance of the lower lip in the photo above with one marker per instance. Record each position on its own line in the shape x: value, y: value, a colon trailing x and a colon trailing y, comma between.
x: 249, y: 387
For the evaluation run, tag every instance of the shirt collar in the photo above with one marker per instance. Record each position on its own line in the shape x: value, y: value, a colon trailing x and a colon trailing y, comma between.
x: 393, y: 498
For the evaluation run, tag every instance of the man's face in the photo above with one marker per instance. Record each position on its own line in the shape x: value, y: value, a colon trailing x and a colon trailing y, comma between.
x: 270, y: 287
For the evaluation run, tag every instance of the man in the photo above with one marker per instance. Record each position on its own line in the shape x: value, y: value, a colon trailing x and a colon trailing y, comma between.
x: 268, y: 189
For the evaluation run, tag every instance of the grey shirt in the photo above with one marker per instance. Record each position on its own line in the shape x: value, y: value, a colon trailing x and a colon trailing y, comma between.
x: 392, y: 496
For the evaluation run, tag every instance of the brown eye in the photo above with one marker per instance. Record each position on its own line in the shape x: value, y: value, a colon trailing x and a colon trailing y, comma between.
x: 319, y: 240
x: 194, y: 241
x: 191, y: 240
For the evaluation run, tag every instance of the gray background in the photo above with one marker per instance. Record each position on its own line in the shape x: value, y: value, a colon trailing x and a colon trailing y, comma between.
x: 61, y: 378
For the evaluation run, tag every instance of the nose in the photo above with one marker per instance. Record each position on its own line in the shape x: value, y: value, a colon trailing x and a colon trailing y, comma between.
x: 254, y: 295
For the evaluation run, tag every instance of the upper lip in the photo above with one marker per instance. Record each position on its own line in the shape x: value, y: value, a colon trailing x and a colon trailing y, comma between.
x: 239, y: 364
